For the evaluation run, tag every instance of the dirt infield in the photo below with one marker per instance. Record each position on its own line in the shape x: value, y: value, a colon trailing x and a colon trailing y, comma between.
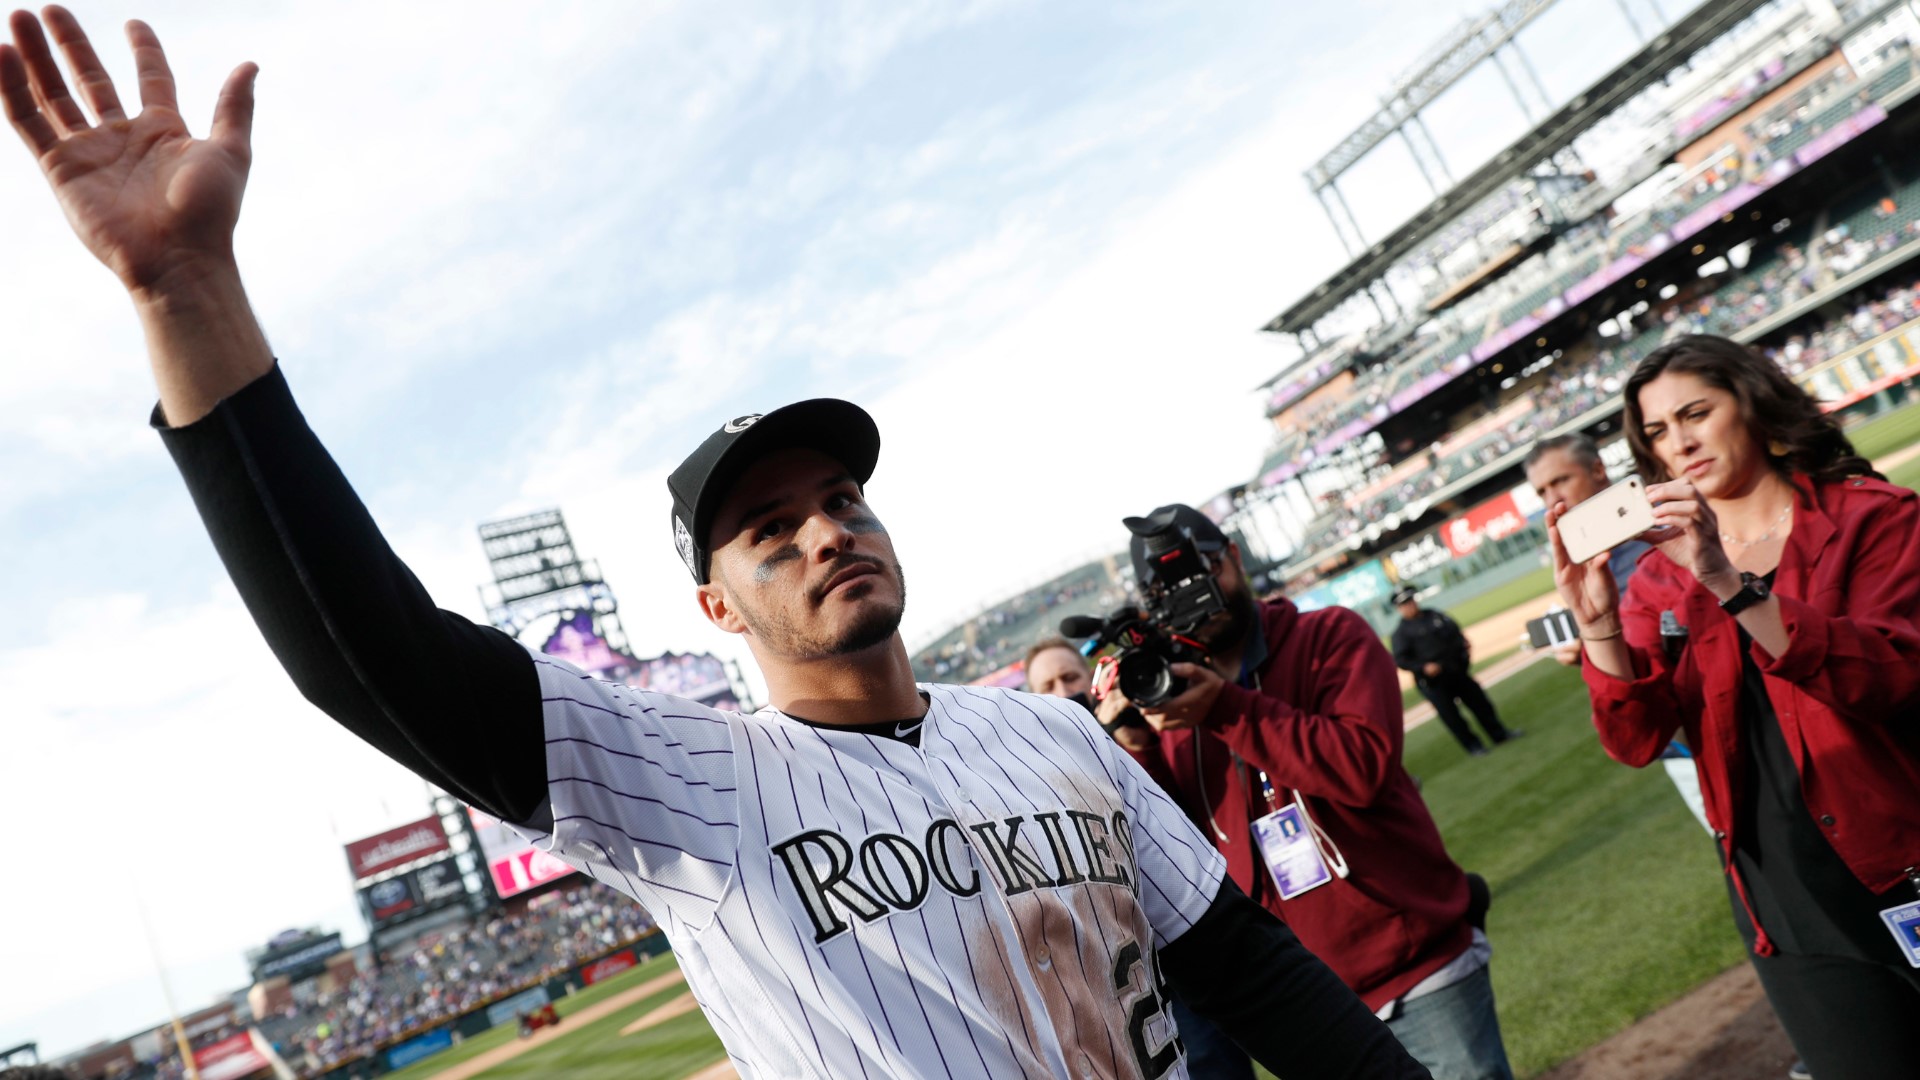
x: 679, y: 1006
x: 1722, y: 1030
x: 474, y: 1066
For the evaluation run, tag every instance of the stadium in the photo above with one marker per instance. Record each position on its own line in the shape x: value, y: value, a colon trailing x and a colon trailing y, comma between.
x: 1752, y: 171
x: 1746, y: 174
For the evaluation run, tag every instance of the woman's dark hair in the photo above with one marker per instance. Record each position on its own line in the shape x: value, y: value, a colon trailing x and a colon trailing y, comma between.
x: 1780, y: 414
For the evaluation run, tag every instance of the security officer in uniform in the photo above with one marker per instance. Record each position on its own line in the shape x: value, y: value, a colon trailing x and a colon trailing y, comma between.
x: 1430, y: 645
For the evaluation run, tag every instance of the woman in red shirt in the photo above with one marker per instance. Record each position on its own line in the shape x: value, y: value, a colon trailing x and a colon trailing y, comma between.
x: 1794, y: 570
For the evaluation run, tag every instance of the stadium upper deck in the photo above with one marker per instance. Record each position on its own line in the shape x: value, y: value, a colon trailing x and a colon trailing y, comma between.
x: 1780, y: 99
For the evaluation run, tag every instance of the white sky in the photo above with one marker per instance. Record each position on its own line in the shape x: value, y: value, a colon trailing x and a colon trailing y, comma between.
x: 513, y: 259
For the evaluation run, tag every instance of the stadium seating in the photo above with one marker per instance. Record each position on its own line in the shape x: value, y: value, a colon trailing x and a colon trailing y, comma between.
x: 446, y: 974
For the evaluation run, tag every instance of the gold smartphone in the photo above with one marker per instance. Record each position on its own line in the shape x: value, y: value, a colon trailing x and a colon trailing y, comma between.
x: 1609, y: 519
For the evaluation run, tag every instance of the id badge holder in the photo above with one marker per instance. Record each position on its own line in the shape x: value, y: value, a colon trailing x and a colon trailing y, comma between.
x: 1903, y: 921
x: 1286, y: 842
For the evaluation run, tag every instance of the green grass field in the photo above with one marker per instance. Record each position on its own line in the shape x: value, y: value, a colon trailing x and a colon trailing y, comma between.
x: 674, y: 1049
x: 1607, y: 897
x: 1885, y: 434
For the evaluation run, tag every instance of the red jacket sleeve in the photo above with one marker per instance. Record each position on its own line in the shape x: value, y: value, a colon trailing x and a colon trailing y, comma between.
x: 1864, y: 661
x: 1343, y: 744
x: 1637, y: 717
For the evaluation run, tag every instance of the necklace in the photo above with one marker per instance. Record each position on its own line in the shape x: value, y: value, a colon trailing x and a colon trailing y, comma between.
x: 1727, y: 538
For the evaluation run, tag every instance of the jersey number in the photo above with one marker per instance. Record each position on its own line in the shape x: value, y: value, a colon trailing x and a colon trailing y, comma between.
x: 1151, y: 1003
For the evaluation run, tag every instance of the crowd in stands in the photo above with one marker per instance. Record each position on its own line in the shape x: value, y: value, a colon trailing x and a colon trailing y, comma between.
x: 1565, y: 395
x: 447, y: 973
x: 998, y: 637
x: 1534, y: 288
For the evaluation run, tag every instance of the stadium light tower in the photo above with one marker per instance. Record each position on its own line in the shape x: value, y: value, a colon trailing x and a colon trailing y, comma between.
x: 1470, y: 44
x: 537, y: 571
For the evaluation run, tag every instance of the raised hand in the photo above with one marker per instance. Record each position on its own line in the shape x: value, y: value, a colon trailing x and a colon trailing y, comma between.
x: 146, y: 197
x: 1586, y: 588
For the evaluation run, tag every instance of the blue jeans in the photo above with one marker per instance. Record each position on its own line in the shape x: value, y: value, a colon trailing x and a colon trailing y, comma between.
x: 1454, y: 1032
x: 1211, y: 1055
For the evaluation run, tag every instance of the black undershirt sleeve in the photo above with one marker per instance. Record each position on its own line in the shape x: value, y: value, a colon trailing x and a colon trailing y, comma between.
x: 1245, y: 970
x: 457, y: 703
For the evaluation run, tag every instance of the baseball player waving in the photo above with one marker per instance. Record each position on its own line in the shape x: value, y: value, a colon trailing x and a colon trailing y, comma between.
x: 871, y: 878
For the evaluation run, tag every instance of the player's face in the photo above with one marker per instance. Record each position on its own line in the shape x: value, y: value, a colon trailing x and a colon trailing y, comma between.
x: 800, y: 564
x: 1407, y: 610
x: 1695, y: 429
x: 1058, y: 673
x: 1558, y: 477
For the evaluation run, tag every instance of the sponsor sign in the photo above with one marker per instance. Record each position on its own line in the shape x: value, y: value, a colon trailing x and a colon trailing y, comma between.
x: 390, y: 899
x: 1419, y: 557
x: 230, y: 1059
x: 1495, y: 519
x: 512, y: 861
x: 299, y: 961
x: 1361, y: 585
x: 507, y: 1009
x: 608, y: 967
x: 1355, y: 587
x: 425, y: 1046
x: 439, y: 884
x: 523, y: 870
x: 384, y: 851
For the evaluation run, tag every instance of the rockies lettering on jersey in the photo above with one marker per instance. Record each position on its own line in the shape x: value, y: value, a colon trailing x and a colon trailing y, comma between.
x: 893, y: 873
x: 988, y: 903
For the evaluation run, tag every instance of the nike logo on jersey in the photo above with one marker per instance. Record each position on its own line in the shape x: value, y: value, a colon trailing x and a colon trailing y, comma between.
x: 907, y: 727
x: 887, y: 872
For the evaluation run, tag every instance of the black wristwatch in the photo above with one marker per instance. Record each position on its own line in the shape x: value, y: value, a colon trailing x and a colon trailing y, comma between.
x: 1753, y: 590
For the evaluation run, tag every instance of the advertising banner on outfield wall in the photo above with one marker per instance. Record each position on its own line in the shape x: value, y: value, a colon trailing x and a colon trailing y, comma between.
x: 1496, y: 519
x: 1362, y: 584
x: 384, y: 851
x: 423, y: 1047
x: 523, y: 1002
x: 608, y: 967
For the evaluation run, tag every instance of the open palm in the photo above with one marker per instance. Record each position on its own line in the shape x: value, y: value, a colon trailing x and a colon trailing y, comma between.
x: 145, y: 196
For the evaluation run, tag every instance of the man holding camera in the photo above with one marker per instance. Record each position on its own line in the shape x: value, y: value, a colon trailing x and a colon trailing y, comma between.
x: 1284, y: 745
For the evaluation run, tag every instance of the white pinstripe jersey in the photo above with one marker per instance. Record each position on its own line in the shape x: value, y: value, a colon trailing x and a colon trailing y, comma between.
x: 987, y: 904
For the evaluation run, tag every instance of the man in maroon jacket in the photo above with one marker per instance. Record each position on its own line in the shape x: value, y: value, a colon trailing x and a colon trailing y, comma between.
x: 1285, y: 748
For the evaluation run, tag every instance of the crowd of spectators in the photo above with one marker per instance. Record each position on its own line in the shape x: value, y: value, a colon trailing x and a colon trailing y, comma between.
x: 999, y: 636
x: 1535, y: 286
x: 443, y: 974
x: 1563, y: 395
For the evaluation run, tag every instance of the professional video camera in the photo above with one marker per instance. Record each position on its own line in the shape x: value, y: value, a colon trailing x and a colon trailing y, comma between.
x: 1181, y: 596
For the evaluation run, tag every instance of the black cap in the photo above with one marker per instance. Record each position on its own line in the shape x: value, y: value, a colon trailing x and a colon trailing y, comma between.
x: 1206, y: 535
x: 839, y: 429
x: 1404, y: 594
